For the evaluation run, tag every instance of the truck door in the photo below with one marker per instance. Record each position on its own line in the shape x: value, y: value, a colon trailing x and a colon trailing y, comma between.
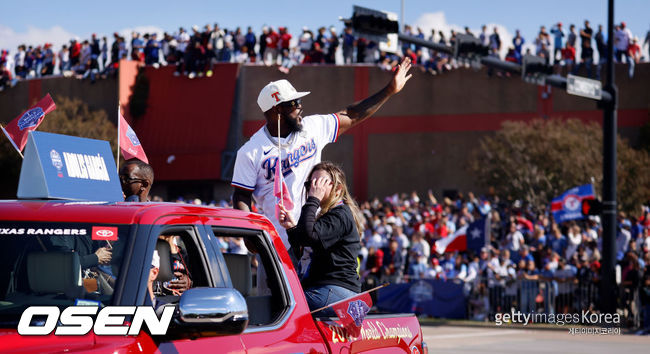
x: 279, y: 320
x: 189, y: 259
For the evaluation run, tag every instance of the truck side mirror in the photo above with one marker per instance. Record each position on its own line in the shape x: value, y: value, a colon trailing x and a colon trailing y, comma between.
x: 212, y: 311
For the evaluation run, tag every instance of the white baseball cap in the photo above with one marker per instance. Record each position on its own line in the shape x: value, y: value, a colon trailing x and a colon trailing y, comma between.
x: 155, y: 260
x: 277, y: 92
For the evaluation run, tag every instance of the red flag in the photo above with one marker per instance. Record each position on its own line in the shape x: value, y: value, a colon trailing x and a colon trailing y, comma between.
x: 452, y: 243
x: 281, y: 191
x: 18, y: 129
x: 129, y: 143
x: 352, y: 311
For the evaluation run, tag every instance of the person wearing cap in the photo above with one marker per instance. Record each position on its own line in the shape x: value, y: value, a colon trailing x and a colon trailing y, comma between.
x: 153, y: 274
x: 622, y: 39
x: 634, y: 55
x: 305, y: 41
x: 301, y: 141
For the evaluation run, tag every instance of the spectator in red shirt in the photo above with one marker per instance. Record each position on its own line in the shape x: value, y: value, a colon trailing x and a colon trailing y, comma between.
x: 285, y: 38
x: 316, y: 55
x: 569, y: 56
x: 75, y: 52
x: 271, y: 51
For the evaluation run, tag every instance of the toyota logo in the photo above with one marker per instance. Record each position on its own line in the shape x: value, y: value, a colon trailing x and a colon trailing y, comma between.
x: 104, y: 233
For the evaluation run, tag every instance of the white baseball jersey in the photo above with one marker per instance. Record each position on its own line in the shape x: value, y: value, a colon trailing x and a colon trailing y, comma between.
x: 300, y: 151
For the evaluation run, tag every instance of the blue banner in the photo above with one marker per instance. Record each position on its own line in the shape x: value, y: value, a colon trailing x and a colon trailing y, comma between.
x: 437, y: 298
x: 68, y: 167
x: 568, y: 205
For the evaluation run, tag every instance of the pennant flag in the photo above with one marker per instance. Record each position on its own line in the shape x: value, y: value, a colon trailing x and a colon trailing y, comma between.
x: 568, y: 205
x: 280, y: 191
x: 352, y: 312
x: 129, y: 143
x: 18, y: 129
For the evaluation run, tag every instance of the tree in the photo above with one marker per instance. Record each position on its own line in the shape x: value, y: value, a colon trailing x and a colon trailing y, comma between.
x: 71, y: 117
x: 539, y: 160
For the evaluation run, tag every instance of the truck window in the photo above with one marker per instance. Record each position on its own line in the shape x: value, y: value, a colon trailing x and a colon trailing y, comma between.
x: 180, y: 266
x: 255, y: 273
x: 58, y: 264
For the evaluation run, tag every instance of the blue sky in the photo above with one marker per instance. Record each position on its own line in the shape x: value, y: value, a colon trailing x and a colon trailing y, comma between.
x: 37, y: 21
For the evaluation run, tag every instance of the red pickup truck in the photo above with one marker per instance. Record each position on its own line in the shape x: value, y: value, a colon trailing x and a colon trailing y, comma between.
x: 249, y: 301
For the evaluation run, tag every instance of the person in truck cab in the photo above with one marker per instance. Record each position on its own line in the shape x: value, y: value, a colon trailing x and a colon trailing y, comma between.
x: 136, y: 178
x: 182, y: 278
x: 333, y: 234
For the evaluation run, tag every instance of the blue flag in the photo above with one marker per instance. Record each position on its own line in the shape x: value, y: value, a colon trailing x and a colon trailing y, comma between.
x: 568, y: 205
x: 478, y: 234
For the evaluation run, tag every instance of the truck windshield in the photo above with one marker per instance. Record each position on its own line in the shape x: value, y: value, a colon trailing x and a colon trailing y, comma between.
x: 58, y: 264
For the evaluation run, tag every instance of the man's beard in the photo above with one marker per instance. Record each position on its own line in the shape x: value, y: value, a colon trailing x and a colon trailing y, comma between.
x: 293, y: 124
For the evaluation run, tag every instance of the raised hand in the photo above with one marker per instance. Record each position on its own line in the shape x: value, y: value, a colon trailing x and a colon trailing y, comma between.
x: 400, y: 78
x: 320, y: 187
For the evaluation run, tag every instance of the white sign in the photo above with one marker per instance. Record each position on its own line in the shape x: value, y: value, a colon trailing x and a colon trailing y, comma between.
x: 581, y: 86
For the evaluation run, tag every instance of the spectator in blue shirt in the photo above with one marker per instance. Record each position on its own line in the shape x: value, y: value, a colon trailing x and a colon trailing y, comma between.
x: 557, y: 242
x: 152, y: 50
x: 137, y: 47
x: 348, y: 45
x: 522, y: 255
x: 249, y: 42
x: 518, y: 42
x: 558, y: 34
x: 538, y: 241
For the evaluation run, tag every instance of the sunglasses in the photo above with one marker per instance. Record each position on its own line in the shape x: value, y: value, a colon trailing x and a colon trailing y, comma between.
x: 291, y: 104
x: 129, y: 180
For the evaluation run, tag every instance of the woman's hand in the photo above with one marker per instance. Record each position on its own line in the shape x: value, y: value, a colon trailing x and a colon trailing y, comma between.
x: 320, y: 187
x: 285, y: 218
x: 104, y: 255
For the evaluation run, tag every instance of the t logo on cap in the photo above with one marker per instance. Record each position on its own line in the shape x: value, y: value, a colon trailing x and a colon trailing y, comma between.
x: 275, y: 95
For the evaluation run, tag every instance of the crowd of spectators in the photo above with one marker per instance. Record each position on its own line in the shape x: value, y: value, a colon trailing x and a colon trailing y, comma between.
x: 193, y: 52
x: 530, y: 263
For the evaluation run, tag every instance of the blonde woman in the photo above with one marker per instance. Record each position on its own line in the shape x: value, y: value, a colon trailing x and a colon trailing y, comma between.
x: 333, y: 234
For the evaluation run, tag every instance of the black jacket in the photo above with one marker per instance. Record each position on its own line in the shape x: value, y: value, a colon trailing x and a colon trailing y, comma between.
x: 335, y: 242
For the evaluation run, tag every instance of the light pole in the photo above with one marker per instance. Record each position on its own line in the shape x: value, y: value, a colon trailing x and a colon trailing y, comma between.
x: 607, y: 282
